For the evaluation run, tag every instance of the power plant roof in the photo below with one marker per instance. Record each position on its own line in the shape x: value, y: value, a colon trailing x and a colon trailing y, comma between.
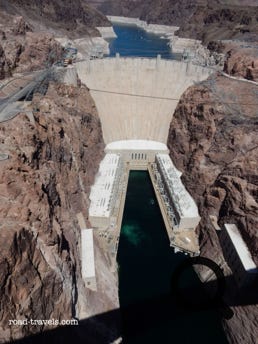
x: 88, y: 263
x: 241, y: 248
x: 102, y: 191
x: 182, y: 199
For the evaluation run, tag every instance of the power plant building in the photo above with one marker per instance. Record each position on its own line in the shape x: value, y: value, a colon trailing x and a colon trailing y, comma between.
x: 181, y: 207
x: 87, y: 259
x: 104, y: 191
x: 178, y: 208
x: 137, y: 153
x: 238, y: 256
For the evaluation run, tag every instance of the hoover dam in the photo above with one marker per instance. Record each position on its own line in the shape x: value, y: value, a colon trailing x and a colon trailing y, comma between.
x: 136, y: 99
x: 129, y: 161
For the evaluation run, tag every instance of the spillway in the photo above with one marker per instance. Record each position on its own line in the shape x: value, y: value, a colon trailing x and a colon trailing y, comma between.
x: 136, y: 97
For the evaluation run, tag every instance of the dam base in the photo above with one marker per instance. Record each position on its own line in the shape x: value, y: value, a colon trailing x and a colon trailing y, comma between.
x: 108, y: 196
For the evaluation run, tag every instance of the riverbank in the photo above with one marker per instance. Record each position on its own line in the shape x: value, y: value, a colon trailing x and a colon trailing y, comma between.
x: 165, y: 31
x: 151, y: 28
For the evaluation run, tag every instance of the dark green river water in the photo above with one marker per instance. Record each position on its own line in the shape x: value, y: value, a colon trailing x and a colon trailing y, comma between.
x: 150, y: 314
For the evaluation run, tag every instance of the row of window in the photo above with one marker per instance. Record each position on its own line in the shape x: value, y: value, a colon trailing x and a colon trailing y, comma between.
x: 139, y: 156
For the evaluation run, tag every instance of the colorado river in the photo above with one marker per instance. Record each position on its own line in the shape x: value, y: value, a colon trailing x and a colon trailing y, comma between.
x: 146, y: 263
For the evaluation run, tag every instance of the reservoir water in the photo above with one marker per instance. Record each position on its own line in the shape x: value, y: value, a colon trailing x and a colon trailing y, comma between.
x: 134, y: 41
x: 150, y: 314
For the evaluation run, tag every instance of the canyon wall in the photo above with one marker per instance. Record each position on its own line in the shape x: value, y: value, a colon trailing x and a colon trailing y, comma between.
x: 199, y: 19
x: 213, y: 140
x: 63, y: 17
x: 53, y: 158
x: 22, y: 50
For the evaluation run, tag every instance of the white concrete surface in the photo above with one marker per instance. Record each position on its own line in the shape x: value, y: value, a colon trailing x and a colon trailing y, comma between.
x: 132, y: 145
x: 87, y: 258
x: 179, y: 44
x: 103, y: 192
x: 70, y: 76
x: 136, y: 97
x: 106, y: 32
x: 137, y: 153
x: 188, y: 215
x: 241, y: 248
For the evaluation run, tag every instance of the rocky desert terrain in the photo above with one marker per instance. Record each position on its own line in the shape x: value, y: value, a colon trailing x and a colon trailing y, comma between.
x: 213, y: 139
x: 21, y: 49
x: 72, y: 18
x: 53, y: 156
x: 44, y: 184
x: 53, y: 159
x: 28, y: 30
x: 200, y: 19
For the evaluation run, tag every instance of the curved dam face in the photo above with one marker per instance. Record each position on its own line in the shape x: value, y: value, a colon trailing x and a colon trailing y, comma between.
x: 136, y: 97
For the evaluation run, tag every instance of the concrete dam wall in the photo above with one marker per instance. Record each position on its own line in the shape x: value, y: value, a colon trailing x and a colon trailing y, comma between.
x: 136, y: 97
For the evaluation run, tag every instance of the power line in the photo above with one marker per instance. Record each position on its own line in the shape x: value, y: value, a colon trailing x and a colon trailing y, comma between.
x: 169, y: 98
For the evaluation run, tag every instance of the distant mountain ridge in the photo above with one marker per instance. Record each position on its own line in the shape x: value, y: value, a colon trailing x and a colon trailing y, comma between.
x: 202, y: 19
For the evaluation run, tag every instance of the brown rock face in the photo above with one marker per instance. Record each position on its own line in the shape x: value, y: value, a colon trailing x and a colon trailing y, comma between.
x: 242, y: 62
x: 201, y: 19
x: 73, y: 18
x: 44, y: 184
x: 22, y: 50
x: 213, y: 140
x: 20, y: 26
x: 39, y: 51
x: 4, y: 68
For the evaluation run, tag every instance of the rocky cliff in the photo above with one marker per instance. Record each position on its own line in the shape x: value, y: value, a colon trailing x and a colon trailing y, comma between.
x: 241, y: 61
x: 28, y: 30
x: 200, y: 19
x: 22, y: 50
x: 53, y: 158
x: 213, y: 140
x: 71, y: 18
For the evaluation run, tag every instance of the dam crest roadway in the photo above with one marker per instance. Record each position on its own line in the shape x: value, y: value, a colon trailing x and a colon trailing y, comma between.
x: 136, y: 99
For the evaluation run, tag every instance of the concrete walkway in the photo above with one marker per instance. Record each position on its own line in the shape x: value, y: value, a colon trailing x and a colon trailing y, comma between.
x: 238, y: 79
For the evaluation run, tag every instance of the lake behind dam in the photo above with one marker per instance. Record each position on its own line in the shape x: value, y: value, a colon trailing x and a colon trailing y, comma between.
x: 134, y: 41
